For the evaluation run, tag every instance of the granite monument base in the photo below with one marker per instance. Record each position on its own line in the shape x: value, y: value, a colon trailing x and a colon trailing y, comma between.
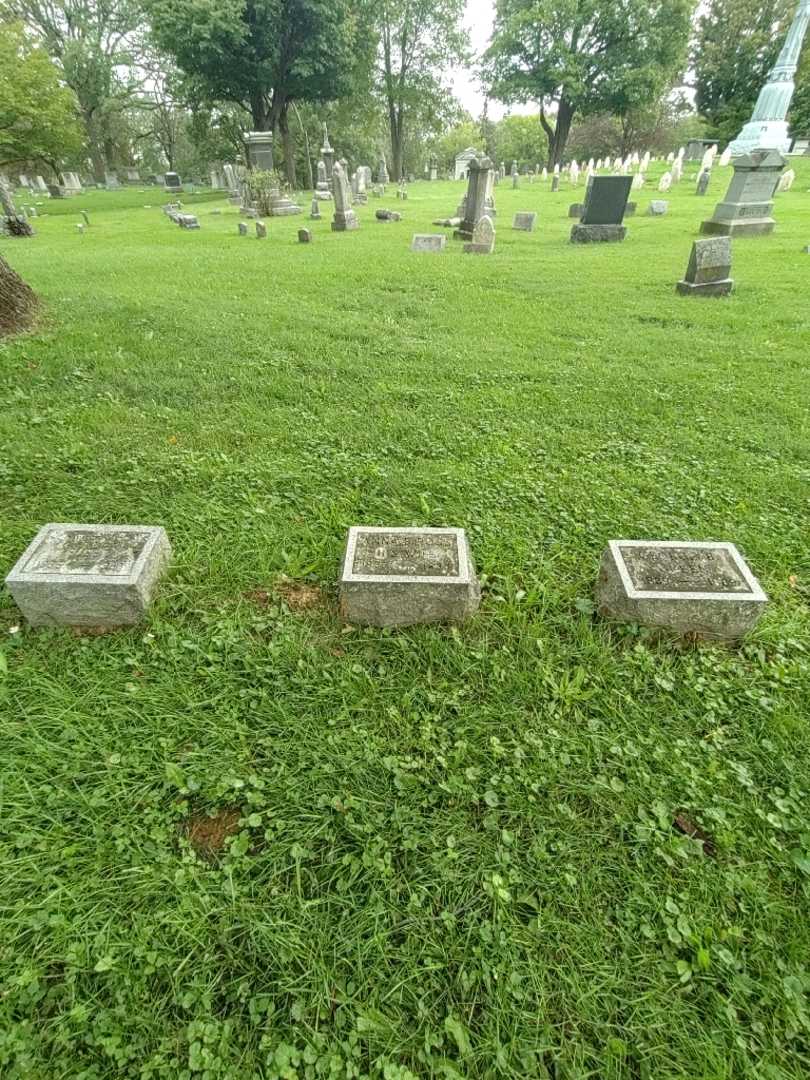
x: 598, y: 234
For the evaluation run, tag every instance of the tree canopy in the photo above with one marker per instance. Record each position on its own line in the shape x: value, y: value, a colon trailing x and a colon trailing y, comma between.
x: 38, y: 116
x: 580, y: 57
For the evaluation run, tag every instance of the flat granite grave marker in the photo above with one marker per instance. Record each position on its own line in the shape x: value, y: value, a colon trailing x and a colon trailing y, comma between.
x: 428, y: 242
x: 689, y: 587
x: 398, y: 577
x: 89, y: 575
x: 657, y: 208
x: 524, y: 221
x: 605, y: 207
x: 709, y: 268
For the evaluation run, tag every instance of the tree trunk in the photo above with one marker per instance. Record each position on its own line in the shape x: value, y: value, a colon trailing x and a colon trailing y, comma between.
x: 287, y: 143
x: 558, y: 135
x: 395, y: 124
x: 17, y: 301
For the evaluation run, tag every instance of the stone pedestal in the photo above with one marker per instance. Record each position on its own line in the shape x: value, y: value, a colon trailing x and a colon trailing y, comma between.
x: 89, y: 575
x: 398, y: 577
x: 260, y: 154
x: 598, y: 234
x: 746, y: 209
x: 685, y: 586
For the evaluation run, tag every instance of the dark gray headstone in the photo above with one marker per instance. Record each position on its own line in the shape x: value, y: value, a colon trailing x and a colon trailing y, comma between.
x: 607, y: 200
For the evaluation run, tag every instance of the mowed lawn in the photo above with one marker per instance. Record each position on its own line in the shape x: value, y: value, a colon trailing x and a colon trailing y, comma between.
x: 244, y: 840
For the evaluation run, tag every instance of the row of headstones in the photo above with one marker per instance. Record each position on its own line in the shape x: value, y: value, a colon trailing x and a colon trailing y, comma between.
x: 105, y: 576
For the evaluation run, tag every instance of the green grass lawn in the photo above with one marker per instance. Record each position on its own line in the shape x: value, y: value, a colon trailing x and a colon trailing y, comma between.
x: 246, y: 841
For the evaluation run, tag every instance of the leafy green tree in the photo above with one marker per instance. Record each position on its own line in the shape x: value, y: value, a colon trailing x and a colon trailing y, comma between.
x: 262, y: 55
x: 38, y: 116
x: 454, y: 140
x: 521, y: 139
x: 580, y: 57
x: 736, y: 44
x: 418, y: 41
x: 89, y: 41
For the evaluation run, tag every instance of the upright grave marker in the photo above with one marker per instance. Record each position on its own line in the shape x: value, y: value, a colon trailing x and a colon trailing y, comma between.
x: 605, y: 205
x: 475, y: 200
x: 344, y: 219
x: 746, y: 209
x: 524, y: 221
x: 709, y: 268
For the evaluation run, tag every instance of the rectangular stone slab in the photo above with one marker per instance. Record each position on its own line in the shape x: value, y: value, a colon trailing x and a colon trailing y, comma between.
x: 688, y: 587
x: 524, y: 221
x: 606, y: 200
x: 598, y: 234
x: 89, y: 575
x: 398, y: 577
x: 428, y: 242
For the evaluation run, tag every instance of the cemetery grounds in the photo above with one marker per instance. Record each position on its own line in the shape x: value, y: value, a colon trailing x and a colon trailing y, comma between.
x: 245, y: 840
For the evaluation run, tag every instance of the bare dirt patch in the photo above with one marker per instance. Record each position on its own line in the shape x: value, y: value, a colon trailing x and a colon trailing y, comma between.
x: 296, y: 595
x: 209, y: 835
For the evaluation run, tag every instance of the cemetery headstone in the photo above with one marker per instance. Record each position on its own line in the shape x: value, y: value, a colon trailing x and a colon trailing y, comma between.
x: 315, y: 210
x: 261, y: 230
x: 430, y: 242
x: 243, y: 229
x: 686, y: 587
x: 172, y: 182
x: 605, y: 206
x: 703, y: 182
x: 388, y: 215
x: 665, y: 183
x: 475, y: 199
x: 748, y: 203
x: 188, y: 221
x: 786, y: 180
x: 399, y: 577
x: 524, y: 221
x: 304, y: 236
x: 344, y: 219
x: 555, y: 182
x: 89, y: 575
x: 709, y: 268
x: 576, y: 210
x: 657, y: 208
x: 483, y: 238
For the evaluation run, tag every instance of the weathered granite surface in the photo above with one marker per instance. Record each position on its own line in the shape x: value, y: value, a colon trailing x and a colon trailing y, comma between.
x: 304, y: 236
x: 687, y: 587
x: 483, y: 238
x: 397, y: 577
x: 524, y: 221
x: 598, y: 234
x: 709, y: 269
x: 89, y: 575
x: 428, y: 242
x: 748, y: 204
x: 657, y: 208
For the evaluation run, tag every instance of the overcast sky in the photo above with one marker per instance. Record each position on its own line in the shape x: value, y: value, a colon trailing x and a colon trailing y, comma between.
x: 478, y: 20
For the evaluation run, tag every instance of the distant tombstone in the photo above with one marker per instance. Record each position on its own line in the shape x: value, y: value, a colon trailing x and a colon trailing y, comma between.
x: 188, y: 221
x: 172, y: 182
x: 388, y: 215
x: 382, y: 172
x: 665, y: 183
x: 132, y: 175
x: 475, y: 199
x: 514, y: 175
x: 429, y: 242
x: 709, y: 268
x: 676, y: 171
x: 89, y: 575
x: 555, y: 182
x: 703, y: 182
x: 483, y: 238
x: 638, y: 181
x: 786, y: 180
x: 400, y: 577
x: 657, y: 208
x: 249, y: 212
x: 605, y: 205
x: 315, y: 210
x: 576, y: 210
x: 524, y: 221
x: 402, y: 190
x: 687, y: 587
x: 748, y: 204
x: 725, y: 157
x: 261, y: 230
x: 24, y: 181
x: 243, y: 229
x: 630, y: 209
x: 111, y: 181
x: 544, y: 174
x: 56, y: 191
x: 43, y: 187
x: 344, y: 219
x: 304, y: 236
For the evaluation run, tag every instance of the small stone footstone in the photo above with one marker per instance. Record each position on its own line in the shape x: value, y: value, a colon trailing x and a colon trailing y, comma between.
x: 657, y: 208
x: 398, y: 577
x: 389, y: 215
x: 304, y: 236
x: 315, y: 211
x: 709, y: 268
x: 703, y: 182
x: 687, y: 587
x: 524, y: 221
x: 187, y: 221
x: 243, y: 229
x: 428, y: 242
x: 605, y: 207
x: 261, y: 230
x: 483, y: 238
x: 576, y: 210
x: 89, y: 575
x: 555, y: 182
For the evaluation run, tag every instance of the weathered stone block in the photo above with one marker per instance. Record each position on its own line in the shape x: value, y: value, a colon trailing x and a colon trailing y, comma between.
x: 304, y: 236
x: 397, y: 577
x: 389, y: 215
x: 428, y: 242
x: 687, y: 587
x: 598, y: 234
x: 261, y: 230
x: 657, y: 208
x: 243, y: 229
x: 709, y: 269
x: 524, y: 221
x: 89, y: 575
x: 576, y: 210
